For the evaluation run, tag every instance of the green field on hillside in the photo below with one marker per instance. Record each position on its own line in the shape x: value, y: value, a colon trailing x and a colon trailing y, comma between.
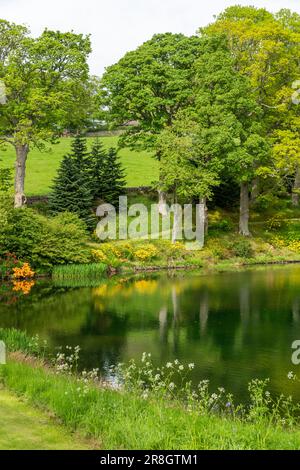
x: 140, y: 167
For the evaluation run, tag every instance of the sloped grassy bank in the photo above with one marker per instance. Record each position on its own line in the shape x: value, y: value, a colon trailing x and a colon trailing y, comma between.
x: 146, y: 412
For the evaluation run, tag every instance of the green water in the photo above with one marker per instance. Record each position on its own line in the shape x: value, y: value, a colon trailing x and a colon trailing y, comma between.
x: 234, y: 326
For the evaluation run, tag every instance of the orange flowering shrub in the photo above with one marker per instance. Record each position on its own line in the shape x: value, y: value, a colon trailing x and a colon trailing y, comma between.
x: 24, y: 272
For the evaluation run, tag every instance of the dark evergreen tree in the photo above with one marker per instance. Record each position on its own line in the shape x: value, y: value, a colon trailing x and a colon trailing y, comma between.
x: 79, y: 151
x: 115, y: 177
x: 97, y: 170
x: 71, y: 189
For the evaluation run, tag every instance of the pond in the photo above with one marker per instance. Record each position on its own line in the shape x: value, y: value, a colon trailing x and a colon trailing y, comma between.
x: 234, y: 326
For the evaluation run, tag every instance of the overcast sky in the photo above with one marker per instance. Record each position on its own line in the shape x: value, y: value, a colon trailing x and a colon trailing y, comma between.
x: 117, y: 26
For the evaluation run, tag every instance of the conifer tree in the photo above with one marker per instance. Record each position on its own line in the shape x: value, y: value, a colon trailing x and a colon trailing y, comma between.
x: 79, y: 151
x: 71, y: 189
x: 114, y: 176
x: 97, y: 170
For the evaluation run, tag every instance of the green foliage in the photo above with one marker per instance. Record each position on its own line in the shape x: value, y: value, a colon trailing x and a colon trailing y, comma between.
x: 106, y: 173
x: 114, y: 175
x: 266, y: 49
x: 16, y: 340
x: 72, y: 188
x: 46, y: 90
x: 242, y: 248
x: 97, y: 170
x: 84, y: 177
x: 5, y: 179
x: 223, y: 225
x: 7, y: 263
x: 43, y: 241
x: 149, y: 85
x: 45, y: 81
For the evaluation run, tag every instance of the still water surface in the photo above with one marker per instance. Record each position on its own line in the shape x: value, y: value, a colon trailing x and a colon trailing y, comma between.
x: 233, y: 326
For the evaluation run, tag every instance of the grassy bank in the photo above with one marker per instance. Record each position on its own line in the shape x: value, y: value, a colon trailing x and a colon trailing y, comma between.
x: 140, y: 168
x: 124, y: 421
x: 129, y: 418
x: 26, y: 428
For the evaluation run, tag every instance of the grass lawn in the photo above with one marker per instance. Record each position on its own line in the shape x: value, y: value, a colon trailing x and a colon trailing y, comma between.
x: 25, y: 428
x: 140, y: 167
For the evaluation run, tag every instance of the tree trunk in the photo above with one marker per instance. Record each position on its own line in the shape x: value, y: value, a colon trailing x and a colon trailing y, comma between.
x: 296, y: 188
x: 255, y: 190
x: 244, y: 210
x: 202, y: 220
x: 21, y: 157
x: 162, y: 203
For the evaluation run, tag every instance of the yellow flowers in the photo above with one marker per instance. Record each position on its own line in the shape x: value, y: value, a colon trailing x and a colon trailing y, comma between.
x: 294, y: 246
x: 278, y: 242
x: 24, y: 272
x: 99, y: 256
x: 123, y: 252
x: 146, y: 253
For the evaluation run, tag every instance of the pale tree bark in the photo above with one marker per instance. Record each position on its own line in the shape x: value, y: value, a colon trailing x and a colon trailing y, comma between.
x: 255, y: 190
x: 296, y: 188
x: 21, y: 157
x: 244, y: 210
x: 162, y: 203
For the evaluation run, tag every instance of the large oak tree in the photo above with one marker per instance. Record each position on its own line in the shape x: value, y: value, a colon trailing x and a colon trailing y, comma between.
x: 149, y: 86
x: 46, y: 82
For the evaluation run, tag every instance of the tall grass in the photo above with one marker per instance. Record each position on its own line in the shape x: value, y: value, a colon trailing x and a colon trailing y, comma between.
x: 79, y: 272
x: 16, y: 340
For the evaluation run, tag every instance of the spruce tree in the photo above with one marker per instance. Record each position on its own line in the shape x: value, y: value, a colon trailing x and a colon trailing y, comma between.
x: 79, y: 151
x: 97, y: 174
x: 114, y: 177
x: 71, y: 188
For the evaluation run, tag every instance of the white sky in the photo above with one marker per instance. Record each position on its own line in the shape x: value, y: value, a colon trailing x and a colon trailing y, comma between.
x: 117, y: 26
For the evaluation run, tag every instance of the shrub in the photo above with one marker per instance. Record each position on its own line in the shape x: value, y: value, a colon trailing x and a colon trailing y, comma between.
x: 276, y: 223
x: 242, y: 249
x: 216, y: 222
x: 223, y: 225
x: 7, y: 263
x: 294, y: 246
x: 146, y: 253
x: 42, y: 241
